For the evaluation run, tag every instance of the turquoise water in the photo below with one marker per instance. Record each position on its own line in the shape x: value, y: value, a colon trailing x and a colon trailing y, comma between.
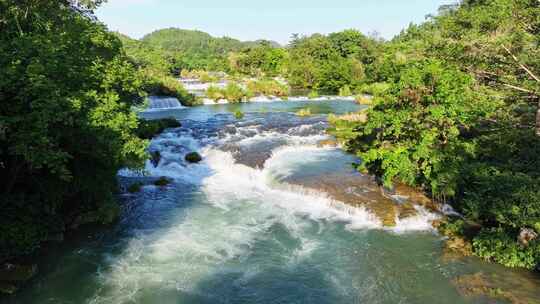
x: 232, y: 230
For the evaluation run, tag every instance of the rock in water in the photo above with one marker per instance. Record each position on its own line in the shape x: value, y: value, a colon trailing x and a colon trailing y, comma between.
x: 162, y: 181
x: 526, y: 235
x: 155, y: 158
x: 193, y: 157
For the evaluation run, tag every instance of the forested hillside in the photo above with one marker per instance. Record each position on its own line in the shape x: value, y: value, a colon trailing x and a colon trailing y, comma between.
x: 192, y: 49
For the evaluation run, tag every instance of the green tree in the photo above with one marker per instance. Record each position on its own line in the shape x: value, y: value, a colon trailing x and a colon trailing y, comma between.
x: 66, y: 92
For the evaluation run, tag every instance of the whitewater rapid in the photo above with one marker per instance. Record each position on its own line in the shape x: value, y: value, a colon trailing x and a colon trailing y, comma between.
x: 272, y: 214
x: 239, y: 204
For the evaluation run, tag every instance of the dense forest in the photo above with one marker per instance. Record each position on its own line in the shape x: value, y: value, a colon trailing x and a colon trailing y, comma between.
x: 454, y: 111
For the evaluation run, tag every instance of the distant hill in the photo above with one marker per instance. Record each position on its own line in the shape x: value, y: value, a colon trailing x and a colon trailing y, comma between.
x: 189, y: 41
x: 180, y: 49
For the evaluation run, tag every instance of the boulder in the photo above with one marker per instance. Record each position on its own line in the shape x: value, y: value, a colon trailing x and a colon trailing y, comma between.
x: 193, y: 157
x: 155, y: 158
x: 162, y: 181
x: 135, y: 187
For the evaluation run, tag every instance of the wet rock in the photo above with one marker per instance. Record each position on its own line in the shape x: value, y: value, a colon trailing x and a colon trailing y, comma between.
x: 327, y: 143
x: 458, y: 245
x: 526, y: 235
x: 17, y: 273
x: 416, y: 197
x: 193, y: 157
x: 437, y: 223
x: 385, y: 209
x: 406, y: 210
x: 155, y: 158
x: 512, y: 286
x: 162, y: 181
x: 135, y: 187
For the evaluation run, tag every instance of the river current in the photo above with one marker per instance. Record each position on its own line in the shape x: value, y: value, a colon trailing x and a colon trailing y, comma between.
x: 268, y: 216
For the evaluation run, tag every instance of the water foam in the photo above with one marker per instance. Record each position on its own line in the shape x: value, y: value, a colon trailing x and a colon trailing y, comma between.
x: 237, y: 207
x: 157, y: 103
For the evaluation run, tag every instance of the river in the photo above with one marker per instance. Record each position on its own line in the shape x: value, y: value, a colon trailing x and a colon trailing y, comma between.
x: 257, y: 221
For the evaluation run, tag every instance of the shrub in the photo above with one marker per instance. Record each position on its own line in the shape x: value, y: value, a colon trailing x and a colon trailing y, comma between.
x: 268, y: 88
x: 159, y: 84
x: 373, y: 89
x: 234, y: 93
x: 215, y: 93
x: 501, y: 246
x: 313, y: 95
x: 147, y: 129
x: 345, y: 91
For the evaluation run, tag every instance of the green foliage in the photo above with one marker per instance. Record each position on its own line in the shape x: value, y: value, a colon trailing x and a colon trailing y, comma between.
x: 215, y: 93
x: 345, y: 91
x: 195, y: 50
x: 155, y: 68
x: 156, y: 83
x: 313, y: 95
x: 498, y: 245
x: 67, y: 89
x: 454, y: 113
x: 268, y: 88
x: 329, y: 63
x: 377, y: 88
x: 232, y: 92
x: 262, y: 60
x: 413, y: 129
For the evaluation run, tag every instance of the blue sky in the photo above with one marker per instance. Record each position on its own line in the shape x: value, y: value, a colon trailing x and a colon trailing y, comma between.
x: 274, y: 19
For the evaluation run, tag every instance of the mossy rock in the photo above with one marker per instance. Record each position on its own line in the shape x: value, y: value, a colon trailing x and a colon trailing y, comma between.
x: 147, y: 129
x: 459, y: 245
x: 193, y: 157
x: 162, y: 181
x: 135, y: 187
x: 238, y: 114
x: 304, y: 112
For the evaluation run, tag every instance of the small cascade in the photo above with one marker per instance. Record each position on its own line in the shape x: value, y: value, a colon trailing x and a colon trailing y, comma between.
x: 159, y: 102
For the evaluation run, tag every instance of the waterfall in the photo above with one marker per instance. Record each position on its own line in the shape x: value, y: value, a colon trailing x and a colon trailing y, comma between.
x: 159, y: 102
